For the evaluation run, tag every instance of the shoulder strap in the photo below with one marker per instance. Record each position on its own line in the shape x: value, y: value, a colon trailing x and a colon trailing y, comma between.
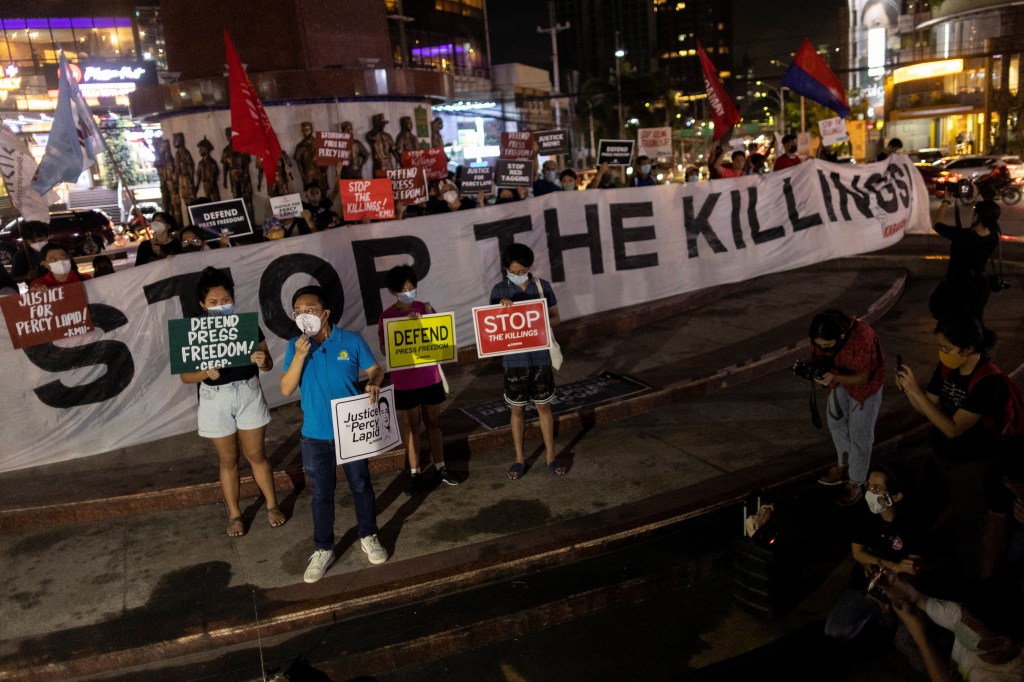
x: 984, y: 369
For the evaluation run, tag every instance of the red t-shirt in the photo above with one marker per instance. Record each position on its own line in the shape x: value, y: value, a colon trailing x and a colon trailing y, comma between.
x: 727, y: 172
x: 785, y: 161
x: 49, y: 281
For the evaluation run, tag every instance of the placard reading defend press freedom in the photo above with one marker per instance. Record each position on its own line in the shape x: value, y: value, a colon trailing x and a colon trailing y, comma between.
x: 212, y: 341
x: 615, y: 152
x: 222, y: 217
x: 415, y: 342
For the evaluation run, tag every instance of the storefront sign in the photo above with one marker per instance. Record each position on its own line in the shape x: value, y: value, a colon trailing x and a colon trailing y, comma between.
x: 520, y: 327
x: 363, y: 429
x: 212, y: 342
x: 425, y: 340
x: 9, y: 81
x: 104, y: 78
x: 47, y: 315
x: 917, y: 72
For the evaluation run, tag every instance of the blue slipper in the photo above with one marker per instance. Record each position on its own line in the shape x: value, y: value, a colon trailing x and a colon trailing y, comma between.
x: 516, y: 471
x: 558, y: 467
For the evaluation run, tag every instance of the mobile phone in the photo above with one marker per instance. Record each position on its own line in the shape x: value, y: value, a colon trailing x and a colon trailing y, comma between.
x: 899, y: 361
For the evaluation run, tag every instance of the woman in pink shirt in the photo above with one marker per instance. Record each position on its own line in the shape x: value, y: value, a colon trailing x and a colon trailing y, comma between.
x: 419, y: 391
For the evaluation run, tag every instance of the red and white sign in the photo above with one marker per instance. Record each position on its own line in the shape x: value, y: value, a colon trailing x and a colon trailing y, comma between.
x: 432, y: 160
x: 517, y: 146
x: 833, y: 131
x: 47, y: 315
x: 655, y: 142
x: 367, y: 199
x: 520, y: 327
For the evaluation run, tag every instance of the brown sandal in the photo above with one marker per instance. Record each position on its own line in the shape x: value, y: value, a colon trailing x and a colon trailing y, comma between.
x: 276, y: 518
x: 236, y: 527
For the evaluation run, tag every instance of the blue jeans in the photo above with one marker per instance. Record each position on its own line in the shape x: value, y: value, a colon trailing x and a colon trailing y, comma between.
x: 851, y: 613
x: 320, y: 466
x: 853, y: 430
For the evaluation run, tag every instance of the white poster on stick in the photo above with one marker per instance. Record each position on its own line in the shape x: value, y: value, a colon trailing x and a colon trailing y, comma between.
x: 833, y: 131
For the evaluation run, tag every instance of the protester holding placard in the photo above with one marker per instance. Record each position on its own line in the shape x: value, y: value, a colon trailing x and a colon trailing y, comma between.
x: 419, y: 391
x: 232, y: 410
x: 528, y: 376
x: 324, y: 362
x: 60, y: 268
x: 446, y: 198
x: 163, y: 243
x: 547, y: 182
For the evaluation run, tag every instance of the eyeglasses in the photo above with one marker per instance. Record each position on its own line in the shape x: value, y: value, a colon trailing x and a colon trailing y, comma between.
x: 877, y: 490
x: 191, y: 242
x: 307, y: 311
x: 524, y: 271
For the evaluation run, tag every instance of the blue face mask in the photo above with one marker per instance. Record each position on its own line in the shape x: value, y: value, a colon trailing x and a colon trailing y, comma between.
x: 226, y: 309
x: 407, y: 296
x: 518, y: 280
x: 645, y: 169
x: 551, y: 176
x: 692, y: 178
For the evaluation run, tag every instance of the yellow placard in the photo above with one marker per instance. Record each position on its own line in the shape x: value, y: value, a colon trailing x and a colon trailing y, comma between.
x: 427, y: 340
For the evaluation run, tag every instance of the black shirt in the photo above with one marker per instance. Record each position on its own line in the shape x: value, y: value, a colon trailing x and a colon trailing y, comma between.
x: 892, y: 541
x: 145, y: 253
x: 968, y: 251
x: 988, y: 398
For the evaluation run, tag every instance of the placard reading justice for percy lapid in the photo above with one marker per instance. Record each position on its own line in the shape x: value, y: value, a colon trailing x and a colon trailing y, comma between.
x: 363, y: 429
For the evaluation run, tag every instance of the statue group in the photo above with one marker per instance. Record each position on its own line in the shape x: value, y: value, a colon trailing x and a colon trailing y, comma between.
x: 183, y: 181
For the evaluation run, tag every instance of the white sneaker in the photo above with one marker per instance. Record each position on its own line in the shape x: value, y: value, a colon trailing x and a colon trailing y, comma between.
x: 318, y: 565
x: 374, y: 550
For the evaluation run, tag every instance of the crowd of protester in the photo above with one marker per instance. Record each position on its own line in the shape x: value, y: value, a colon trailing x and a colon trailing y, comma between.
x: 954, y: 615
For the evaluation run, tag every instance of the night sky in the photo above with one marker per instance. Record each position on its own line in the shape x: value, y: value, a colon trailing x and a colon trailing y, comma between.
x: 514, y: 36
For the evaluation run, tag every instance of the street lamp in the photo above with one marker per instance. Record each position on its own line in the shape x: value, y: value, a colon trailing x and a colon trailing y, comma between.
x: 619, y: 54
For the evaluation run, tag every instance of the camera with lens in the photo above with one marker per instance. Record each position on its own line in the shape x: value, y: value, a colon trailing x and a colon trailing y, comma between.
x: 964, y: 190
x: 809, y: 370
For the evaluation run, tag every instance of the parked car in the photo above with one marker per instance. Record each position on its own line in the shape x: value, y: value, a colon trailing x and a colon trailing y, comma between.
x: 928, y: 155
x: 84, y: 232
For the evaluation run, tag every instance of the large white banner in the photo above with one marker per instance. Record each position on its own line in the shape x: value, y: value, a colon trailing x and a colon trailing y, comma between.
x: 600, y: 249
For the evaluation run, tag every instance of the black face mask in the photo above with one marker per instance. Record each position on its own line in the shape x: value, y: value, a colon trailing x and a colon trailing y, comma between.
x: 791, y: 149
x: 191, y: 248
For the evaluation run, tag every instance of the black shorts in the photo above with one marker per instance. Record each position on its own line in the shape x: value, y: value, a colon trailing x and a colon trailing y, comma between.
x: 529, y: 384
x: 414, y: 397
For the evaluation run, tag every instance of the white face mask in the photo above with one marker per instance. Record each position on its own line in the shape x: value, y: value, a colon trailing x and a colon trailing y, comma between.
x: 37, y: 246
x: 226, y: 309
x: 309, y: 324
x: 877, y: 503
x: 407, y: 296
x: 60, y: 267
x: 551, y: 176
x: 450, y: 197
x: 569, y: 185
x: 158, y: 227
x: 518, y: 280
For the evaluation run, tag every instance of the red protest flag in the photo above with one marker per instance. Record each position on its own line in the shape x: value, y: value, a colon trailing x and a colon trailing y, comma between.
x: 250, y: 128
x: 723, y: 111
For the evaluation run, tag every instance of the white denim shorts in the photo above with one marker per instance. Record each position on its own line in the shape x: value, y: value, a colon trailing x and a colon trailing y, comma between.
x: 225, y: 409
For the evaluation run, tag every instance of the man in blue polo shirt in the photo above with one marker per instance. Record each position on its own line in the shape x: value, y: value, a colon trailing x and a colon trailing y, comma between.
x: 528, y: 376
x: 324, y: 363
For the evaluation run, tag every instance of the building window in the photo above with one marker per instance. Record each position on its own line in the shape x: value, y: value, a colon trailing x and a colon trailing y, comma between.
x: 467, y: 8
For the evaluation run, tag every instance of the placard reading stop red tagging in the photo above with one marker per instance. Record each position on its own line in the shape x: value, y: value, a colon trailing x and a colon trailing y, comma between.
x: 518, y: 328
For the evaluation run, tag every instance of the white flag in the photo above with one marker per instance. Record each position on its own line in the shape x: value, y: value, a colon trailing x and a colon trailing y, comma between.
x: 17, y: 166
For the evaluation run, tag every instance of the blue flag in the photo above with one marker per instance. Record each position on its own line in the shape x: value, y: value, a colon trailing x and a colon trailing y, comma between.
x: 74, y: 142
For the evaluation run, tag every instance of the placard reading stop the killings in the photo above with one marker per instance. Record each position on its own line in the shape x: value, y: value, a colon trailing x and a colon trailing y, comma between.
x: 520, y: 327
x: 513, y: 173
x: 47, y: 315
x: 615, y: 152
x: 333, y: 148
x: 212, y: 342
x: 228, y: 217
x: 367, y: 199
x: 363, y: 429
x: 426, y: 340
x: 433, y: 161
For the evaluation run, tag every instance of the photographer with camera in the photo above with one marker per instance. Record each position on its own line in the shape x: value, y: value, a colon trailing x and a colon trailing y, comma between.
x: 965, y: 288
x: 849, y: 361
